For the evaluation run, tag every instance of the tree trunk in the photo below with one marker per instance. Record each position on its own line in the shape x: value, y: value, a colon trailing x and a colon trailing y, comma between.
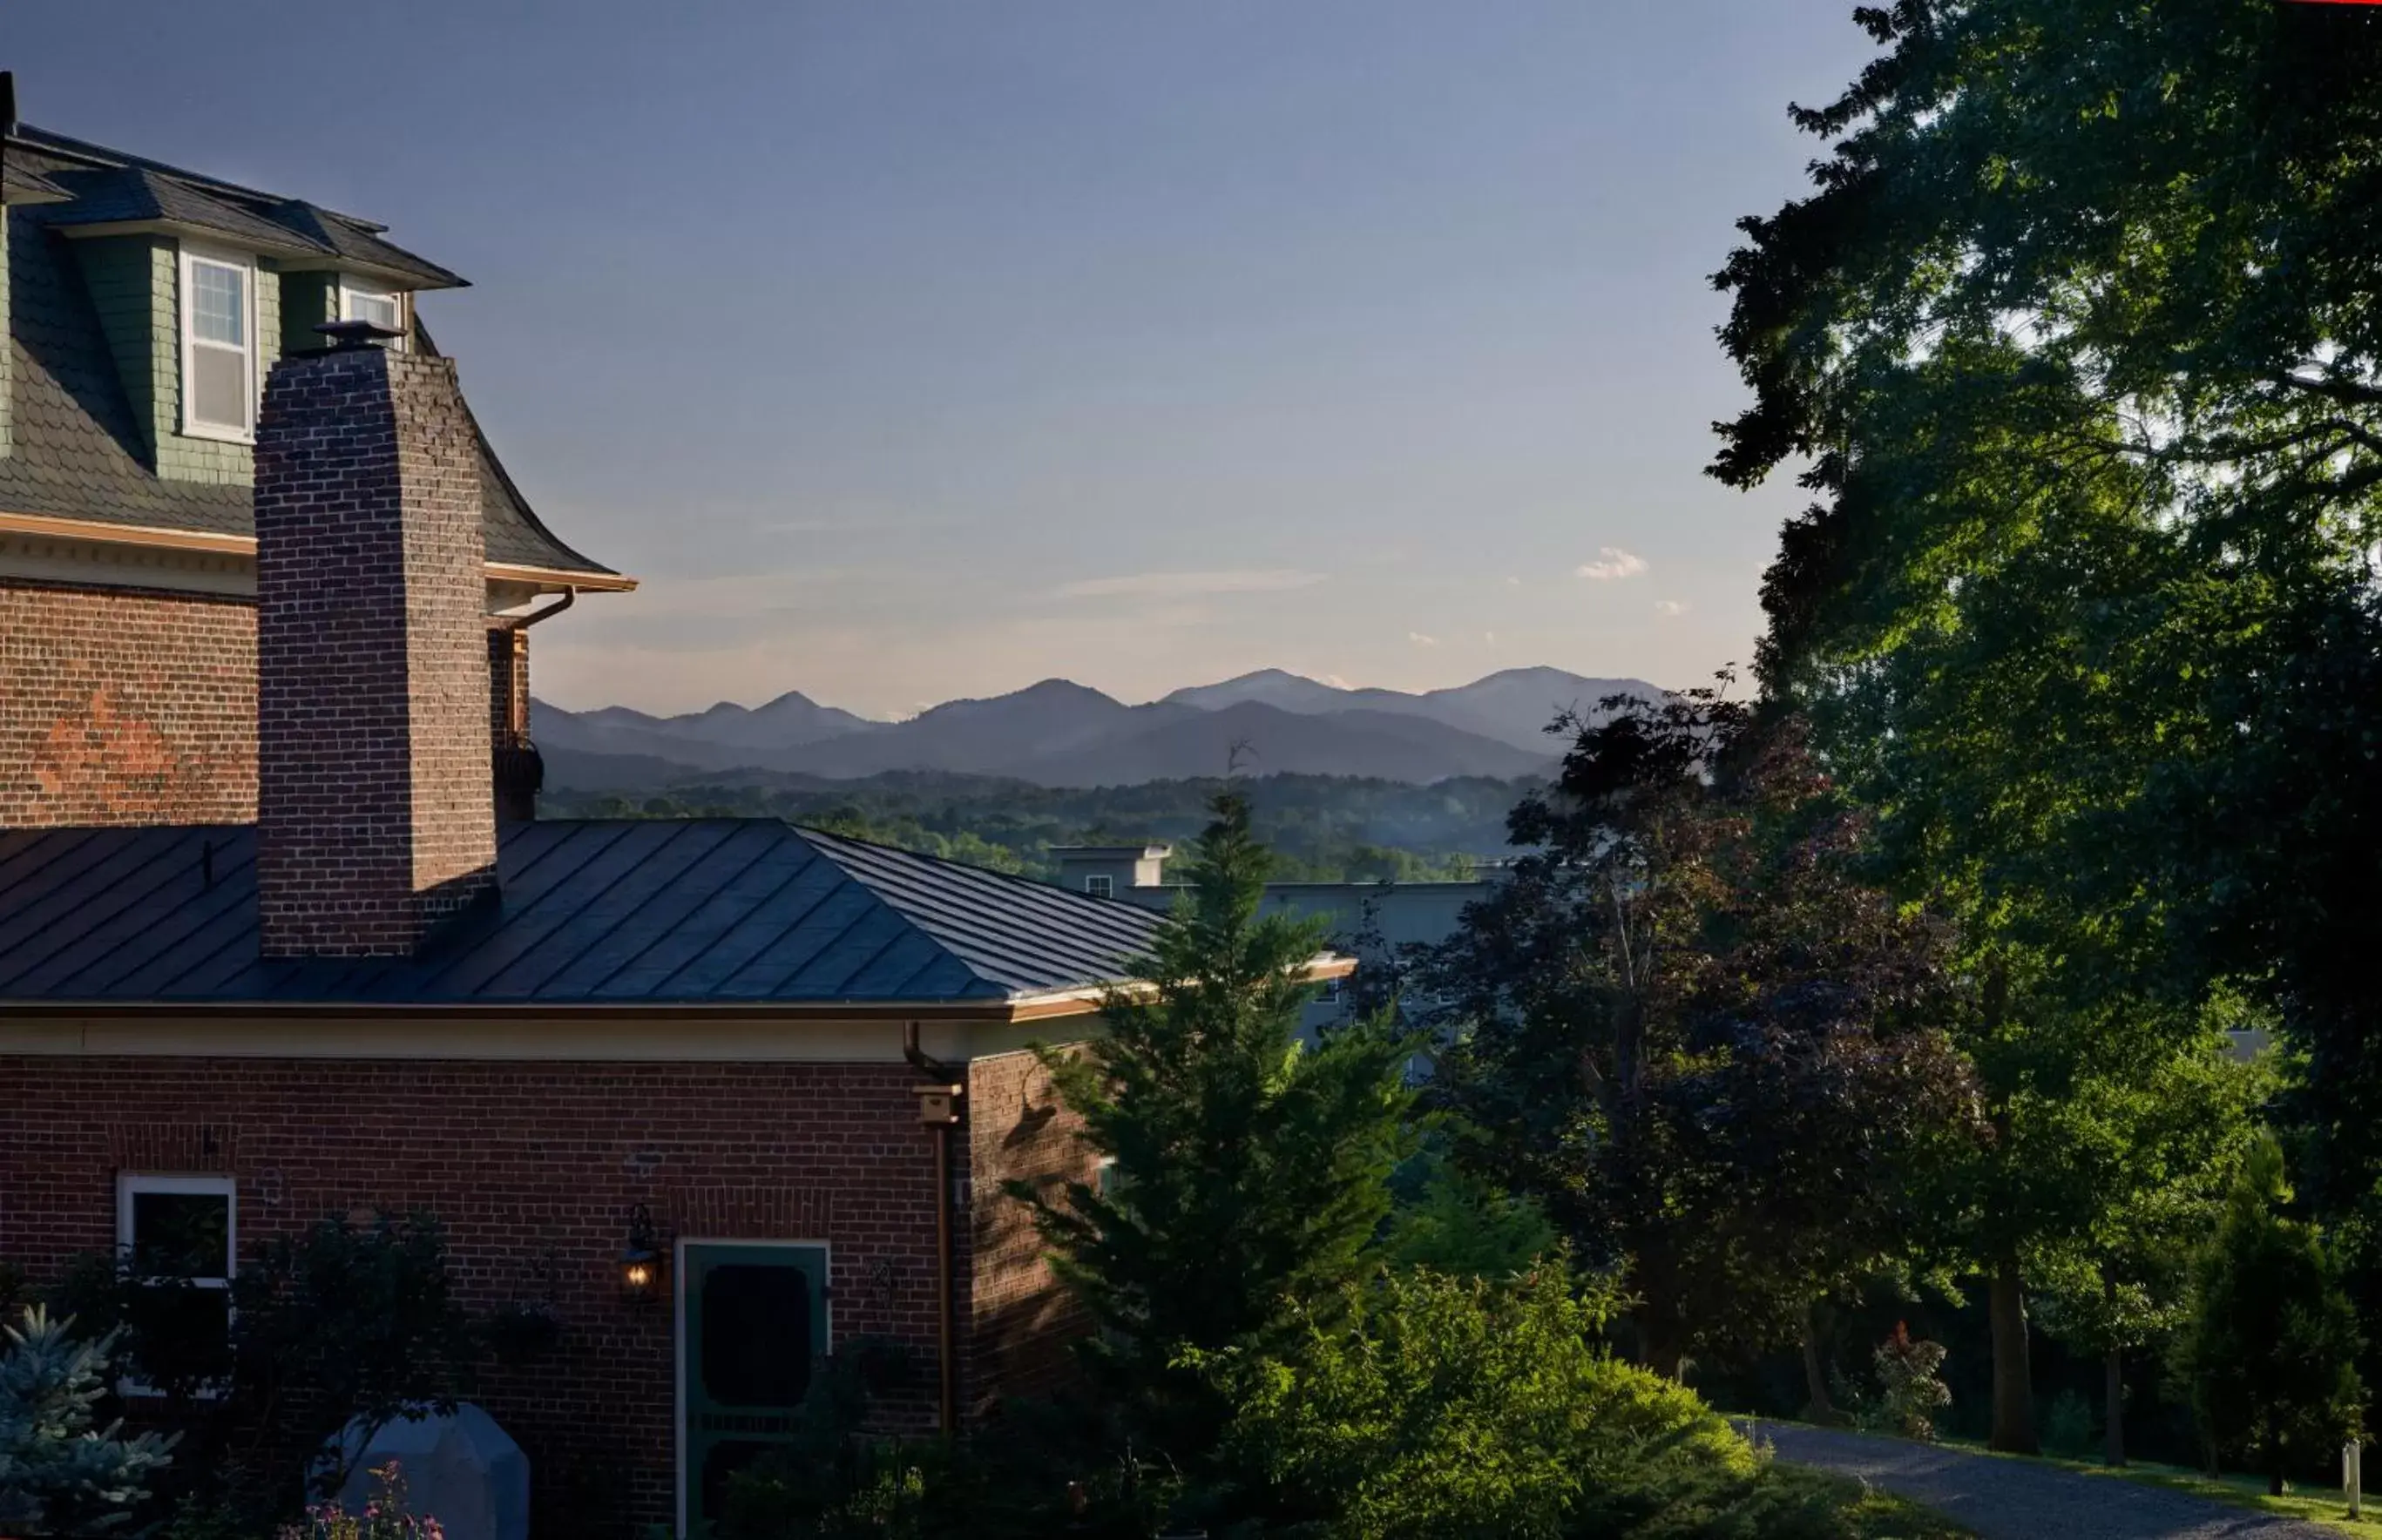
x: 2274, y: 1453
x: 1819, y: 1409
x: 2013, y: 1430
x: 2113, y: 1416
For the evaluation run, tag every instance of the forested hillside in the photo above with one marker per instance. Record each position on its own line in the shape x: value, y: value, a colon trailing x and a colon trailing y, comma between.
x: 1324, y: 827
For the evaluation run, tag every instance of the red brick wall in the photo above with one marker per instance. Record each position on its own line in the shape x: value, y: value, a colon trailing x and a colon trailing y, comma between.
x: 1016, y: 1319
x: 119, y: 706
x: 375, y: 809
x: 528, y: 1166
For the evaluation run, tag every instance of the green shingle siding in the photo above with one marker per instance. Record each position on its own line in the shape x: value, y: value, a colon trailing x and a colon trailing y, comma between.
x: 120, y: 272
x: 308, y: 300
x: 135, y: 284
x: 7, y: 346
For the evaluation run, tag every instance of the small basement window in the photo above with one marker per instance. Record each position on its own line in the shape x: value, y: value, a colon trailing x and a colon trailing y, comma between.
x: 176, y: 1235
x: 362, y: 300
x: 218, y: 347
x: 1100, y: 888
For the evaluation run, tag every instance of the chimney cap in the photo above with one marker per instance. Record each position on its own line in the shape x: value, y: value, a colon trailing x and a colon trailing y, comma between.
x: 347, y: 337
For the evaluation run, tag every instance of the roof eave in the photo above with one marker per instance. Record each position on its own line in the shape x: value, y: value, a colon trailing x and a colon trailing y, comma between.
x: 244, y: 241
x: 1015, y: 1008
x: 592, y: 580
x: 412, y: 279
x: 968, y: 1009
x: 294, y: 255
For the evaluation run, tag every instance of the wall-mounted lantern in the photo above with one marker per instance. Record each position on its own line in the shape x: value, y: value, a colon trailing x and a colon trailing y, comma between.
x: 641, y: 1262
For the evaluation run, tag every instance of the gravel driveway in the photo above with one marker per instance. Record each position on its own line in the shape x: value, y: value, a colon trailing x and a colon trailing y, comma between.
x: 2017, y: 1499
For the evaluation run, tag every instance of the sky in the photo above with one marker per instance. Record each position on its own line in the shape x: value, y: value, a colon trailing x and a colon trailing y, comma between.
x: 914, y: 350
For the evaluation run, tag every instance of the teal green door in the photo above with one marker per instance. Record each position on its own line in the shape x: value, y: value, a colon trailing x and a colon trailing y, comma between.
x: 755, y: 1329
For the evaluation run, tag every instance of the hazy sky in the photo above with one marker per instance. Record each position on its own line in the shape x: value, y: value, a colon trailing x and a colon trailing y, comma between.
x: 909, y: 350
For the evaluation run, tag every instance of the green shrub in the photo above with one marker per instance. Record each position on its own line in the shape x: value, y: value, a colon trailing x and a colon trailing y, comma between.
x: 1437, y: 1406
x: 1451, y: 1221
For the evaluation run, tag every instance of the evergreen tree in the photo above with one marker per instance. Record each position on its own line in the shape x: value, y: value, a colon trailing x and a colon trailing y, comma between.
x: 1249, y: 1170
x: 2269, y: 1352
x: 58, y: 1474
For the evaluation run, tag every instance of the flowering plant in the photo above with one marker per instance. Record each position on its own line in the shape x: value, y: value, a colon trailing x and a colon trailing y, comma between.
x: 385, y: 1516
x: 1906, y: 1373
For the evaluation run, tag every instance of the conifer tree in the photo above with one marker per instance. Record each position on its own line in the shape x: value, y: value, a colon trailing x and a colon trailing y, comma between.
x: 1247, y: 1168
x: 59, y: 1475
x: 2269, y: 1350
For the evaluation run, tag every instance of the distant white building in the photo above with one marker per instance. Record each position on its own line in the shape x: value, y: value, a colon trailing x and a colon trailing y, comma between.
x: 1370, y: 920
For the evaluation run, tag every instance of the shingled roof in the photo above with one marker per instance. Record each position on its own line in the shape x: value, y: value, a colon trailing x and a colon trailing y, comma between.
x: 624, y: 912
x: 78, y: 451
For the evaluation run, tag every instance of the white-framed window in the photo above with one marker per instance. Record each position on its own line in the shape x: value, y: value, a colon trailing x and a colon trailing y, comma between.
x: 218, y: 346
x: 1100, y: 888
x: 363, y: 299
x: 178, y: 1236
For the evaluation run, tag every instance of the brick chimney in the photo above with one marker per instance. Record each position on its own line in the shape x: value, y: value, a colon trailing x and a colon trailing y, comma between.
x: 374, y: 809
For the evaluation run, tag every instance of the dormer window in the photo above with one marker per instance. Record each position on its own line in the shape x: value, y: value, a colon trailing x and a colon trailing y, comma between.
x: 362, y: 300
x: 218, y: 347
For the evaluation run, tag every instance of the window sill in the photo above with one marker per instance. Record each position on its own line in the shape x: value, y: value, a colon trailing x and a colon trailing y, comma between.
x: 219, y: 435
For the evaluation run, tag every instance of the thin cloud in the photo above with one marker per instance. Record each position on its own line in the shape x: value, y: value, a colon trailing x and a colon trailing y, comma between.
x: 1612, y: 562
x: 1422, y: 641
x: 1670, y: 606
x: 1154, y: 585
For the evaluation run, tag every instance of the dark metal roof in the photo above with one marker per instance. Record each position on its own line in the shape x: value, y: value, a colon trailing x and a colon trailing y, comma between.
x: 622, y: 912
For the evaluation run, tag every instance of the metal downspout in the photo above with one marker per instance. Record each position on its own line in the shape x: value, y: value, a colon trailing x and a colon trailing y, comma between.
x: 949, y: 1088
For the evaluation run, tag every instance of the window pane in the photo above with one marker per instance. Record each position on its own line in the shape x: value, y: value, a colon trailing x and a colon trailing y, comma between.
x: 380, y: 308
x: 181, y: 1235
x: 219, y: 304
x: 219, y: 394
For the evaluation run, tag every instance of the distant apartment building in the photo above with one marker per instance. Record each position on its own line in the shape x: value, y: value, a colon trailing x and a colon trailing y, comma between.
x: 1374, y: 920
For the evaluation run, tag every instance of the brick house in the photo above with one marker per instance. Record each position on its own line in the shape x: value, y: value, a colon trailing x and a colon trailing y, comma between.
x: 278, y: 939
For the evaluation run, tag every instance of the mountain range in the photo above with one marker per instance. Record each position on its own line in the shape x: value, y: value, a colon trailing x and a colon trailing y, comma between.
x: 1062, y: 734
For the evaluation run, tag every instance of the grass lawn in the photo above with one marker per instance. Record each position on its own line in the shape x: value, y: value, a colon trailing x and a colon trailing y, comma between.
x: 1883, y: 1515
x: 2320, y: 1505
x: 2312, y: 1505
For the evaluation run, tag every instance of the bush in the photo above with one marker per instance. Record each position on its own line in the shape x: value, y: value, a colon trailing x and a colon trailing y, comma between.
x: 348, y: 1321
x: 1438, y: 1406
x: 1451, y: 1221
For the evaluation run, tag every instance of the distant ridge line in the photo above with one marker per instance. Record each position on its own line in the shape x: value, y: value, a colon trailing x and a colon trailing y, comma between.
x: 1056, y: 732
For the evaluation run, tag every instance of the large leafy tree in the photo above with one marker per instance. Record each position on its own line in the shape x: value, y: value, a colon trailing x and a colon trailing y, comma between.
x: 1691, y: 1034
x: 1249, y: 1170
x: 2075, y: 343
